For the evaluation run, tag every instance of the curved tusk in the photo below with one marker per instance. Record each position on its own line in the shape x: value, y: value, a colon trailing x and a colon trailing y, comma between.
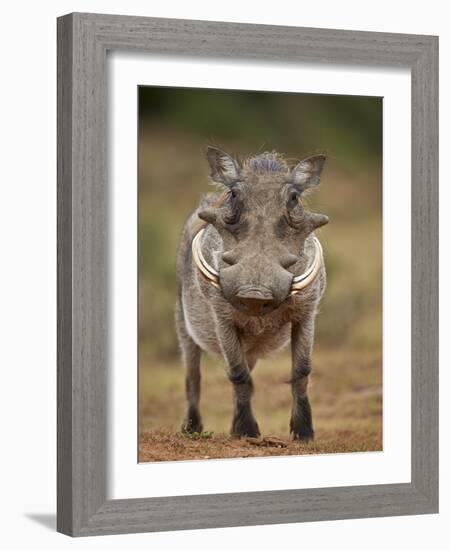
x: 301, y: 281
x: 207, y: 271
x: 298, y: 282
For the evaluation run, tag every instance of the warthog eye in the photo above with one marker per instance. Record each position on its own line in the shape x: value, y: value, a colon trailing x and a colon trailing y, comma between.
x: 294, y: 212
x: 293, y: 199
x: 233, y: 213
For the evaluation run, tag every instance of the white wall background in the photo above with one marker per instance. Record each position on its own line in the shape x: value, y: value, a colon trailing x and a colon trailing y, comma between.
x: 28, y: 271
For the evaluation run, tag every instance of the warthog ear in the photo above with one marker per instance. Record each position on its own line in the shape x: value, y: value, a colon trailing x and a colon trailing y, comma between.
x: 224, y: 168
x: 306, y: 174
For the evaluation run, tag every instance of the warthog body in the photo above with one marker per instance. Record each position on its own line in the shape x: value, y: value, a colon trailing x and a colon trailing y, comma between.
x: 257, y: 236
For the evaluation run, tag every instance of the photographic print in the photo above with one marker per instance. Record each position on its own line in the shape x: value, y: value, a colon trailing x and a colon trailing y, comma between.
x: 260, y: 274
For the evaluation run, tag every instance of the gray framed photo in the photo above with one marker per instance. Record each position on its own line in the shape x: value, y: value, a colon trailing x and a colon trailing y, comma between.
x: 177, y: 406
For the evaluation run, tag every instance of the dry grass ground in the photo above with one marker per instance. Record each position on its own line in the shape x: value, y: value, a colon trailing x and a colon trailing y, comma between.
x: 345, y: 395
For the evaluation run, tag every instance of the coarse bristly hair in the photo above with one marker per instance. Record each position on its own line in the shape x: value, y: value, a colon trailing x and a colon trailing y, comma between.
x: 267, y: 162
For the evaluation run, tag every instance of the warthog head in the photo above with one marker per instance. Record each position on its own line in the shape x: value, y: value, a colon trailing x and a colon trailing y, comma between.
x: 263, y: 225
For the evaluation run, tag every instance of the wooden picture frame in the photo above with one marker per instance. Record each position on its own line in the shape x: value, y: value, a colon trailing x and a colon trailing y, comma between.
x: 83, y: 41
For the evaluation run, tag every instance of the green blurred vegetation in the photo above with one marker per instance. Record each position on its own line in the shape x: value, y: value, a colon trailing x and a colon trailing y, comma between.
x: 175, y: 126
x: 348, y: 128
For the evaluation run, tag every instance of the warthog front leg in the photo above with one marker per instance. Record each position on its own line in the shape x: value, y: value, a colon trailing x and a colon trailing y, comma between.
x: 302, y: 340
x: 244, y: 423
x: 191, y: 360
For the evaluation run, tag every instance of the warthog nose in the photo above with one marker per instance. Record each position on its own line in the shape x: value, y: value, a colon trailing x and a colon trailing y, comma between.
x: 255, y: 301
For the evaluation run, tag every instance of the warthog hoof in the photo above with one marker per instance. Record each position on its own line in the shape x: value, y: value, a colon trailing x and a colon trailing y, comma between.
x: 305, y: 437
x: 192, y: 423
x: 245, y: 427
x: 300, y: 432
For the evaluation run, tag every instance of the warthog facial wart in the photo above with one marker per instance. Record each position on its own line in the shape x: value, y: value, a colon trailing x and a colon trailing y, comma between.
x: 250, y: 274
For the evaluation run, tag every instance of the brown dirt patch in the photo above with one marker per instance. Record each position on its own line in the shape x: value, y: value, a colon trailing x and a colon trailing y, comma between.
x: 345, y: 393
x: 163, y: 445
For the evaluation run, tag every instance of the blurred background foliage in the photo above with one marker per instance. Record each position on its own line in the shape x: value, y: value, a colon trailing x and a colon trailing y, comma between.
x: 175, y: 126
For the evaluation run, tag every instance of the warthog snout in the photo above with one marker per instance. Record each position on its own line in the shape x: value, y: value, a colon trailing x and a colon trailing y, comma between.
x: 255, y: 285
x: 255, y: 301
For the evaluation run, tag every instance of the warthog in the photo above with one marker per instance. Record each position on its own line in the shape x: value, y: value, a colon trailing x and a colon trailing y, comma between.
x: 250, y: 277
